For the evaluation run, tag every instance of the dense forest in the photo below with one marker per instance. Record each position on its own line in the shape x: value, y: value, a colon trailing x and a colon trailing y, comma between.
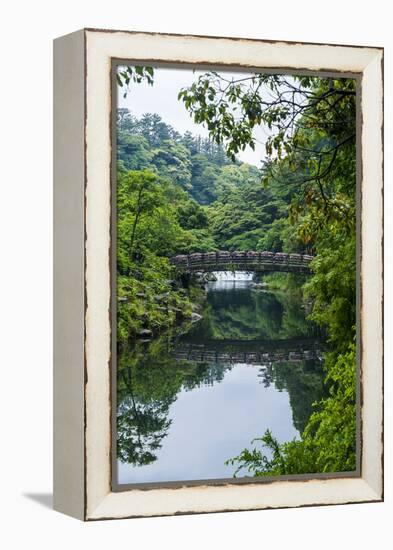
x: 180, y: 194
x: 183, y: 193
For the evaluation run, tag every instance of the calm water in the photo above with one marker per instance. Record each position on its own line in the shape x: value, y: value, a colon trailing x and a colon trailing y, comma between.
x: 187, y: 404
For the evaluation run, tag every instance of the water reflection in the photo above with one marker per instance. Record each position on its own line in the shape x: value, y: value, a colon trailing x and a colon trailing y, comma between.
x: 187, y: 403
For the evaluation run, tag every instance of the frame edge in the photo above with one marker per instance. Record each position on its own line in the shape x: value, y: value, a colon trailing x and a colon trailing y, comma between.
x: 370, y: 490
x: 69, y: 265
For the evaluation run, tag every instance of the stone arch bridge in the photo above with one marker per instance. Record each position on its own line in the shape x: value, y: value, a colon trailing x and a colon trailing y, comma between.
x: 249, y: 261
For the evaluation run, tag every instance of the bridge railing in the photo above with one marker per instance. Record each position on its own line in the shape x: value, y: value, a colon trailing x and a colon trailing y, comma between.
x: 223, y: 257
x: 212, y: 356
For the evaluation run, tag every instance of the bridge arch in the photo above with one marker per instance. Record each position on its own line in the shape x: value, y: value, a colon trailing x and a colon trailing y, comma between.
x: 249, y: 261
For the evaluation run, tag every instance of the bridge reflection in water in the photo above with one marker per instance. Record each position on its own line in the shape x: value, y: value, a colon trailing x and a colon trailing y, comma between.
x: 249, y: 351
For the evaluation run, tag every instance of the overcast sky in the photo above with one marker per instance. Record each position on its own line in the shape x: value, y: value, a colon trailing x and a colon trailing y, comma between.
x: 161, y: 98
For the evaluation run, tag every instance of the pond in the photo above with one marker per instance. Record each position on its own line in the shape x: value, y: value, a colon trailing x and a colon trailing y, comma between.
x: 188, y: 403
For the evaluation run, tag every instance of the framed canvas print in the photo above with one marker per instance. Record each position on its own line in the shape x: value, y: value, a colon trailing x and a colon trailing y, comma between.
x: 218, y: 274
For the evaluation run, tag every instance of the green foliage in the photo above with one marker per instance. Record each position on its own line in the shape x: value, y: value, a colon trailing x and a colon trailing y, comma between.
x: 248, y: 216
x: 179, y: 194
x: 311, y: 154
x: 148, y: 230
x: 133, y: 151
x: 231, y: 108
x: 242, y: 217
x: 332, y: 289
x: 198, y: 165
x: 163, y: 178
x: 126, y: 75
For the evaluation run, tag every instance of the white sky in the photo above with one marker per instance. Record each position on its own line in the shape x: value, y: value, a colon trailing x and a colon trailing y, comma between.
x: 161, y: 98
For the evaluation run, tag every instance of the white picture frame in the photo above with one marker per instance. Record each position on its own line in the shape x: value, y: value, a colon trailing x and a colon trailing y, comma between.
x: 82, y: 255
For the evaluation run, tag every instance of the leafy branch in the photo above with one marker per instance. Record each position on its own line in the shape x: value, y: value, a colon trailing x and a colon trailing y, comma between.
x: 137, y: 74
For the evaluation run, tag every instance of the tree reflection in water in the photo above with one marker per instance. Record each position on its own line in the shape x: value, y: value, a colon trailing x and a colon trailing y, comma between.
x: 151, y: 374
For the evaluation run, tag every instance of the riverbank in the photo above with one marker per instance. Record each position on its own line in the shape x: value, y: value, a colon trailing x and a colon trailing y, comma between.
x: 146, y: 308
x: 284, y: 282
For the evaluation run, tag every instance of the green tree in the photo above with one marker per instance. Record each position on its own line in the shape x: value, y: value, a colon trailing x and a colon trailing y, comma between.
x: 133, y: 151
x: 310, y: 151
